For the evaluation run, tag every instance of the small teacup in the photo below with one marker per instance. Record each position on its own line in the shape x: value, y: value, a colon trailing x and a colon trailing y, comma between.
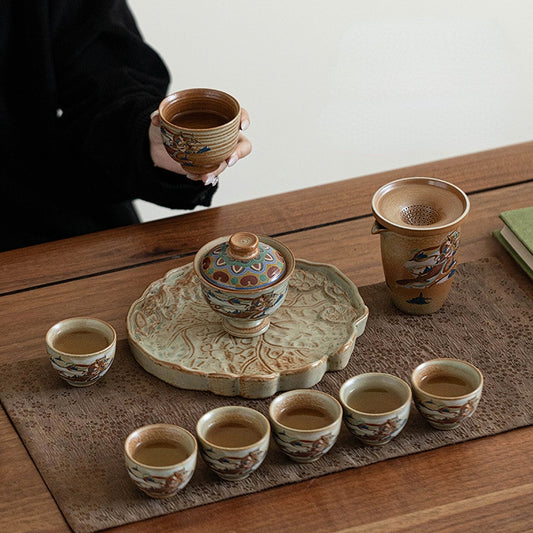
x: 233, y: 440
x: 200, y: 128
x: 446, y: 391
x: 306, y: 423
x: 160, y: 459
x: 376, y: 406
x: 81, y: 349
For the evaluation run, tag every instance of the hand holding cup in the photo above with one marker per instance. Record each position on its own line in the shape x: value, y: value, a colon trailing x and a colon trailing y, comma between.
x: 200, y: 130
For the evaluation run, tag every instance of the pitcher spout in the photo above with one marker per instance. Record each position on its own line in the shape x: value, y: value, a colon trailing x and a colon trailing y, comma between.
x: 377, y: 228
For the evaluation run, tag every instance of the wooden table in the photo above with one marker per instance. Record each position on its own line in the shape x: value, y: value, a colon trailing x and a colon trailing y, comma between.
x: 481, y: 484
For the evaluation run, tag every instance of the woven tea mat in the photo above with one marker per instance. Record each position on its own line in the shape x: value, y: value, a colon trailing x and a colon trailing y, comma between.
x: 75, y: 436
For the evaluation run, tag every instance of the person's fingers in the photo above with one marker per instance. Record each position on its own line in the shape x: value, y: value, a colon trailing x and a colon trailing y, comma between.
x: 161, y: 159
x: 210, y: 178
x: 156, y: 119
x: 245, y: 119
x: 244, y: 148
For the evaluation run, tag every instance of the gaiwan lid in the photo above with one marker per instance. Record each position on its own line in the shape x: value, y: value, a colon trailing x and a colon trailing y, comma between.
x: 243, y: 262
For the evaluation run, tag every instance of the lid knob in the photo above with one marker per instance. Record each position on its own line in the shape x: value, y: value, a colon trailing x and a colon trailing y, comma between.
x: 243, y: 246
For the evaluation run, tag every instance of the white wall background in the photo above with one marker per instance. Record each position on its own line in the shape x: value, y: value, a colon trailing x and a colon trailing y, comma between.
x: 343, y: 88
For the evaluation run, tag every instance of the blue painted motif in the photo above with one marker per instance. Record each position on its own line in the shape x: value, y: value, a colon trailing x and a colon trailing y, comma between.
x: 431, y: 266
x: 419, y: 300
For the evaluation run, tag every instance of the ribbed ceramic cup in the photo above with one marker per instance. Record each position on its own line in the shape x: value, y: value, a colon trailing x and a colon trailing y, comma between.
x: 200, y: 148
x: 418, y: 220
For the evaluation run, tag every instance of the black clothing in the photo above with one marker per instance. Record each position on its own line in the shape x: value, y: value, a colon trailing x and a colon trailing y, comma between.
x: 77, y: 86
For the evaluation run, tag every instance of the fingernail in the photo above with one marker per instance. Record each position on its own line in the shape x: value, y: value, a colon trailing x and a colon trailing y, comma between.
x: 209, y: 180
x: 232, y: 160
x: 245, y: 124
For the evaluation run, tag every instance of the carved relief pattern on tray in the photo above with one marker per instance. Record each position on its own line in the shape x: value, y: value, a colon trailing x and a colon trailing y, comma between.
x: 173, y: 322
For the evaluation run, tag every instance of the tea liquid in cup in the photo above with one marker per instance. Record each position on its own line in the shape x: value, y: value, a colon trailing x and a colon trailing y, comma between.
x: 376, y: 406
x: 306, y: 423
x: 160, y: 459
x: 233, y: 440
x: 81, y: 349
x: 446, y: 391
x: 200, y: 128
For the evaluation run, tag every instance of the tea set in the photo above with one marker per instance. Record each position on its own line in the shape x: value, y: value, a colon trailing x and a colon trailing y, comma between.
x: 248, y: 319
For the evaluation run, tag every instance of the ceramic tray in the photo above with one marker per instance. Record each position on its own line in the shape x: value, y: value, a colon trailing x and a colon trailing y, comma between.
x: 177, y: 337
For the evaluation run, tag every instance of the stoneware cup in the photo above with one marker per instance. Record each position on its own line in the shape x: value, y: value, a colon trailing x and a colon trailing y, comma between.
x: 418, y: 220
x: 200, y: 128
x: 376, y: 406
x: 160, y: 459
x: 305, y: 423
x: 233, y: 440
x: 446, y: 391
x: 81, y: 349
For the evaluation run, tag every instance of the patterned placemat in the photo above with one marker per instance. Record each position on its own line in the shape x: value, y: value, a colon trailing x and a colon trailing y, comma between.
x: 75, y: 436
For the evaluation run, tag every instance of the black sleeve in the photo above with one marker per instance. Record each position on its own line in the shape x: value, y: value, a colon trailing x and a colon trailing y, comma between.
x: 109, y: 81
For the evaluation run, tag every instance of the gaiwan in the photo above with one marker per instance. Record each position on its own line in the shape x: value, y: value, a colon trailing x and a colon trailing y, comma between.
x: 245, y: 278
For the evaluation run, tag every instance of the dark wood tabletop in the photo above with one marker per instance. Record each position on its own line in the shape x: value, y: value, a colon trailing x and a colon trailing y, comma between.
x: 484, y: 484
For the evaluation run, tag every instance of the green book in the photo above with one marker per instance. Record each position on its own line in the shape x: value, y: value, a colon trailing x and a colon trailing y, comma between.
x: 516, y: 236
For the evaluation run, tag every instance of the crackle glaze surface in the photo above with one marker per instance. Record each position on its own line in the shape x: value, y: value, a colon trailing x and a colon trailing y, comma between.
x: 198, y: 149
x: 176, y: 336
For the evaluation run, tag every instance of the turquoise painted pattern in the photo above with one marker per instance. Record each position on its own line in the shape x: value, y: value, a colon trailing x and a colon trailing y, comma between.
x: 225, y: 272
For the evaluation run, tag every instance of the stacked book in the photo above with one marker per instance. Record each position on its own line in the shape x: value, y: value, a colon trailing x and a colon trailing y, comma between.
x: 516, y: 236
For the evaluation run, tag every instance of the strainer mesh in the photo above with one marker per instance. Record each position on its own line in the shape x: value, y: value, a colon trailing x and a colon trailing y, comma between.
x: 419, y: 215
